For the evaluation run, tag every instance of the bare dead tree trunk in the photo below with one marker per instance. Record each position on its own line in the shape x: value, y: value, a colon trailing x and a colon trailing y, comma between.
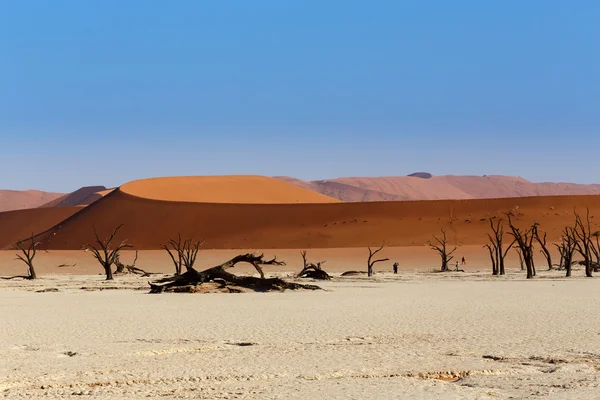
x: 542, y: 242
x: 371, y: 262
x: 219, y: 274
x: 441, y: 248
x: 27, y: 257
x: 103, y: 253
x: 521, y: 262
x: 496, y: 247
x: 582, y: 232
x: 567, y: 249
x: 493, y: 256
x: 524, y: 241
x: 311, y: 270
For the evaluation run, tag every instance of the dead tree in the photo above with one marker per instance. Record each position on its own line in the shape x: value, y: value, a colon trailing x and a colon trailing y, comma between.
x: 567, y: 249
x: 441, y: 248
x: 583, y: 235
x: 124, y: 268
x: 104, y: 254
x: 29, y: 253
x: 496, y: 247
x: 311, y: 270
x: 192, y: 277
x: 596, y: 251
x: 521, y: 262
x: 187, y: 251
x: 542, y: 242
x: 371, y: 262
x: 524, y: 242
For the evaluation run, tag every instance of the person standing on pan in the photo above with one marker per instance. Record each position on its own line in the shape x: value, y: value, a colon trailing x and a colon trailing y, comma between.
x: 464, y: 262
x: 396, y: 267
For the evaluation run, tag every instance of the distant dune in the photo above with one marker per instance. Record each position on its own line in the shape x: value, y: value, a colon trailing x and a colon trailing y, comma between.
x: 424, y: 186
x: 23, y: 199
x: 223, y: 189
x: 81, y: 197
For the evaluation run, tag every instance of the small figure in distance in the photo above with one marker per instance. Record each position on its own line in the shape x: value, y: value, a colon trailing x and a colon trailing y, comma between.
x: 457, y: 265
x: 396, y: 267
x: 464, y: 262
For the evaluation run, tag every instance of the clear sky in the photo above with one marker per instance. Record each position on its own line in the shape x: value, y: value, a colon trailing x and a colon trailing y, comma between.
x: 101, y: 92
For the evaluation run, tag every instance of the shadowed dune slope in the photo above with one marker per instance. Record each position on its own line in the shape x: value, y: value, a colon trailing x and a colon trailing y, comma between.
x: 23, y: 199
x: 20, y: 224
x: 81, y: 197
x: 149, y: 223
x: 246, y: 189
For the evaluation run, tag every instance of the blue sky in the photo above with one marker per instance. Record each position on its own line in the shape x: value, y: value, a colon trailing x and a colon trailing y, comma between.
x: 102, y: 92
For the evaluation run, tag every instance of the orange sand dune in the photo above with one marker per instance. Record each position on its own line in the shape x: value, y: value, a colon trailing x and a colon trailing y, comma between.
x: 20, y: 224
x: 23, y: 199
x: 149, y: 223
x: 223, y: 189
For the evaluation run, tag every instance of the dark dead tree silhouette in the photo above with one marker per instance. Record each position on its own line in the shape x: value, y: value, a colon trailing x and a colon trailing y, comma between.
x: 440, y: 246
x: 567, y: 248
x: 521, y: 262
x: 371, y: 262
x: 524, y: 240
x: 103, y: 252
x: 129, y: 268
x: 543, y: 244
x: 583, y: 234
x: 186, y: 252
x: 176, y: 247
x: 312, y: 270
x: 219, y: 274
x: 496, y: 247
x: 27, y: 257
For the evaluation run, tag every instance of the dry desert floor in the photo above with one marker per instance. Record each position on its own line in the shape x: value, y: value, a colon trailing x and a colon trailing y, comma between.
x: 415, y: 335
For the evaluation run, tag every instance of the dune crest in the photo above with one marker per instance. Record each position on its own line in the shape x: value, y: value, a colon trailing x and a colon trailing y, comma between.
x: 232, y: 189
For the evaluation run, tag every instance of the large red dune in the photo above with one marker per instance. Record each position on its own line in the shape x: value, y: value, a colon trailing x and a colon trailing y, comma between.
x: 148, y: 223
x: 20, y: 224
x: 248, y: 189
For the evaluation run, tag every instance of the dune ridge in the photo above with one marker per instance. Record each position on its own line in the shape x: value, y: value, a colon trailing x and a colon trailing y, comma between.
x: 81, y: 197
x: 242, y: 189
x: 423, y: 186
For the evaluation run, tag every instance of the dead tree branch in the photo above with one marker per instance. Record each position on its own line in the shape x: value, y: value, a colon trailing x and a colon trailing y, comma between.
x: 371, y: 262
x: 27, y: 257
x: 440, y: 247
x: 104, y: 254
x: 542, y: 242
x: 496, y: 247
x: 524, y: 242
x: 583, y: 235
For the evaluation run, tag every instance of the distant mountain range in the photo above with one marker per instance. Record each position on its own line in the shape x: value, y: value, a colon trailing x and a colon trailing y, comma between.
x: 417, y: 186
x: 424, y: 186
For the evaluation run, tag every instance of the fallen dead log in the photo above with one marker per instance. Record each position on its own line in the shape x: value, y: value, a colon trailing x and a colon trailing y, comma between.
x: 311, y: 270
x: 192, y: 278
x: 353, y: 273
